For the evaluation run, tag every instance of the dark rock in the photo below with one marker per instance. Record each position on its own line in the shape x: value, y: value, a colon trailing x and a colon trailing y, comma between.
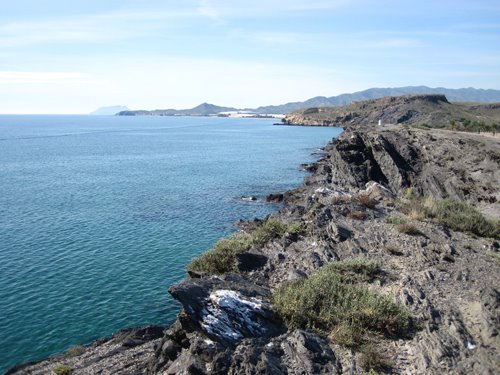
x: 248, y: 261
x: 228, y: 310
x: 275, y: 198
x: 307, y: 353
x: 337, y: 232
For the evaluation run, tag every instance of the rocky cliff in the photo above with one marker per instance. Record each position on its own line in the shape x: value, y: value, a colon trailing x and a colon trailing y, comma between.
x: 364, y: 200
x: 432, y: 110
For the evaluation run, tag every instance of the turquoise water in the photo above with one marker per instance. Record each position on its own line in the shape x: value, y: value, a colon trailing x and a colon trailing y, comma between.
x: 99, y: 215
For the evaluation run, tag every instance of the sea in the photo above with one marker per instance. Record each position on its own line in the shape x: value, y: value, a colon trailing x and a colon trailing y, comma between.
x: 99, y: 215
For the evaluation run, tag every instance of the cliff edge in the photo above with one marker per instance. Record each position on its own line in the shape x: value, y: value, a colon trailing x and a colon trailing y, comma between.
x: 362, y: 270
x: 432, y: 110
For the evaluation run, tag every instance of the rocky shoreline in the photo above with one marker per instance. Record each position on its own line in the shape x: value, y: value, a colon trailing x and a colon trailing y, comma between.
x: 361, y: 201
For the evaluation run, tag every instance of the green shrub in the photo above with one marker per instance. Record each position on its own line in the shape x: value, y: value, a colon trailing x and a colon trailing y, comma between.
x: 272, y: 228
x: 358, y: 269
x: 395, y: 220
x: 333, y: 301
x: 295, y: 228
x: 62, y: 369
x: 416, y: 207
x: 457, y: 215
x: 494, y: 255
x: 462, y: 216
x: 76, y: 350
x: 268, y: 230
x: 221, y: 258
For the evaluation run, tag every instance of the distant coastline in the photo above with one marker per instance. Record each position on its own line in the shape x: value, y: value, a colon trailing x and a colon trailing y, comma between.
x: 206, y: 109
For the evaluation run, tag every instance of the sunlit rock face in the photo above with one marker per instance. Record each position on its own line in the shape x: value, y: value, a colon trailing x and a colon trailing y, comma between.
x: 226, y: 310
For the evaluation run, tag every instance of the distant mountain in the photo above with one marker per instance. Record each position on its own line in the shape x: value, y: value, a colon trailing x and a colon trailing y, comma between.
x: 453, y: 95
x: 109, y: 111
x: 203, y: 109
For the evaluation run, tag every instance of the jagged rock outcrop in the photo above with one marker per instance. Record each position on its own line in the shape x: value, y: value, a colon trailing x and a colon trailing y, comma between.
x: 126, y: 352
x: 447, y: 280
x: 429, y: 109
x: 436, y: 163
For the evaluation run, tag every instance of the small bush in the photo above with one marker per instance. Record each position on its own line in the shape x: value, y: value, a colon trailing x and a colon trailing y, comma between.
x: 272, y: 228
x: 367, y: 201
x: 457, y: 215
x: 372, y: 359
x: 295, y: 228
x: 333, y: 300
x: 221, y: 258
x: 409, y: 194
x: 417, y: 208
x: 358, y: 269
x: 76, y: 350
x: 346, y: 334
x: 395, y: 220
x: 494, y: 255
x: 409, y: 229
x: 268, y: 230
x: 62, y: 369
x: 462, y: 216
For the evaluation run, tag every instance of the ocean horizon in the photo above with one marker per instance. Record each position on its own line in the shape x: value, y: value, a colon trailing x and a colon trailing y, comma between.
x: 101, y: 214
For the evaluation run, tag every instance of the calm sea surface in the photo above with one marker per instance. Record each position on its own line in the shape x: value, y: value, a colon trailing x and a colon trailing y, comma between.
x: 99, y: 215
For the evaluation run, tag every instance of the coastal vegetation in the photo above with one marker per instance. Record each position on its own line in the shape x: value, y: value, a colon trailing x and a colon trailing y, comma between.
x: 334, y: 301
x: 222, y: 257
x: 454, y: 214
x: 76, y: 350
x: 62, y: 369
x: 462, y: 216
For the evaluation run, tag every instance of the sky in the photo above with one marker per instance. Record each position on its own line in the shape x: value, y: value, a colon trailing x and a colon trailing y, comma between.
x: 60, y: 56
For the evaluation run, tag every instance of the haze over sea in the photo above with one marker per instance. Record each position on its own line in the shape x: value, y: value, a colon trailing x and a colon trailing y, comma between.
x: 99, y: 215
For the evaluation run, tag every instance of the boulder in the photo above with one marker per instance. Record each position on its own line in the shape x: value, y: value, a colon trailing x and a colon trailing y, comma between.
x: 228, y: 309
x: 275, y: 198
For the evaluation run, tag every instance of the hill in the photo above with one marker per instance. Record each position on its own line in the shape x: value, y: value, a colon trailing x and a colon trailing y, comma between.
x: 109, y: 111
x: 454, y: 95
x: 204, y: 109
x: 433, y: 110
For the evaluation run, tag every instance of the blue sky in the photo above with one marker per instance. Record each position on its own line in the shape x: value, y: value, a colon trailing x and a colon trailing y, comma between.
x: 59, y: 56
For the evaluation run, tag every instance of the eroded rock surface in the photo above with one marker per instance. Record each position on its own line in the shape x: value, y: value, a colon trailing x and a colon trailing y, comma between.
x: 447, y: 280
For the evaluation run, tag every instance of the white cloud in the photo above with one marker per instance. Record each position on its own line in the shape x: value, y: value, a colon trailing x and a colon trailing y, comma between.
x: 344, y: 42
x: 396, y: 43
x: 20, y: 77
x: 218, y: 9
x: 167, y: 83
x: 97, y: 28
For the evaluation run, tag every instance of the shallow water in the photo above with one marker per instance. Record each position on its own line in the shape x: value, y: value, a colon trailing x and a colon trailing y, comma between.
x: 99, y: 215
